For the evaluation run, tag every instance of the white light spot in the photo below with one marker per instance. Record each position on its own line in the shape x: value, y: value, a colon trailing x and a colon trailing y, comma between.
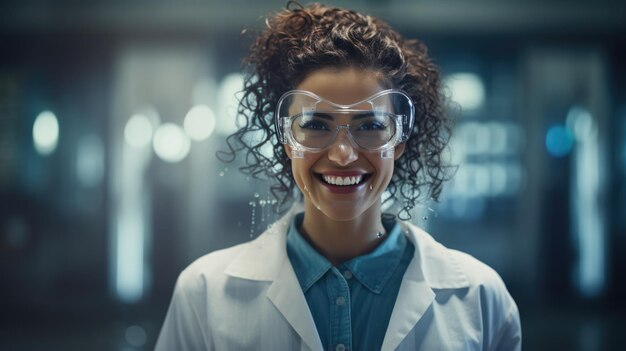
x: 482, y: 139
x: 199, y: 122
x: 579, y: 121
x: 230, y: 86
x: 46, y: 133
x: 130, y: 256
x: 171, y: 143
x: 588, y: 222
x: 138, y: 131
x: 467, y: 90
x: 475, y: 136
x: 498, y: 179
x: 498, y: 138
x: 480, y: 180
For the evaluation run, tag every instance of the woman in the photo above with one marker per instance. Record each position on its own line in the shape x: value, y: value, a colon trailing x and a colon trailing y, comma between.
x: 352, y: 110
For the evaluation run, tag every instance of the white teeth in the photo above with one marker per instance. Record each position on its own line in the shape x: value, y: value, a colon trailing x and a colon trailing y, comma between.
x: 342, y: 180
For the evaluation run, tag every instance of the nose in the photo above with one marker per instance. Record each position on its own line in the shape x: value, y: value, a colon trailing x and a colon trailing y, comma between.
x: 341, y: 151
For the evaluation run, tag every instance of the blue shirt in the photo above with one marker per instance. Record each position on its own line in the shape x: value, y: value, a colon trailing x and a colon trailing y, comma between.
x: 351, y: 304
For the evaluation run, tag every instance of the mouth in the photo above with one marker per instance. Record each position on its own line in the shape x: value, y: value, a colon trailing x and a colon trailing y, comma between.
x: 342, y: 181
x: 343, y: 184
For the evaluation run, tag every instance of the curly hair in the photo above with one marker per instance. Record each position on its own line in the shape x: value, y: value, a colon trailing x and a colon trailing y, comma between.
x: 299, y: 40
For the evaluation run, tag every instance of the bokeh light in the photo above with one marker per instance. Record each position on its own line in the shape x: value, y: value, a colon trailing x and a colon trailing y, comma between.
x: 46, y: 133
x: 580, y: 121
x: 171, y: 143
x: 559, y: 141
x: 467, y: 90
x: 138, y: 131
x: 199, y: 122
x: 228, y: 90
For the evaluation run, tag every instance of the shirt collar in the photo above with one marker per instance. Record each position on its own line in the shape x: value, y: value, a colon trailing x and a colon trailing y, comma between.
x: 308, y: 264
x: 265, y: 256
x: 373, y: 269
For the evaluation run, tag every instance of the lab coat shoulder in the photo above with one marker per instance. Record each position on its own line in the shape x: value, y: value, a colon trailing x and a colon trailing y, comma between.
x: 223, y: 301
x: 472, y: 290
x: 208, y: 269
x: 186, y: 324
x: 502, y: 329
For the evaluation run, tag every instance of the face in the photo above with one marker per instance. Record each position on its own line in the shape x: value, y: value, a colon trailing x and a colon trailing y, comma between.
x: 343, y: 182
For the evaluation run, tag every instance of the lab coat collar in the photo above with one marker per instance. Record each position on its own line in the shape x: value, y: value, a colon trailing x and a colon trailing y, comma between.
x: 437, y: 264
x: 264, y: 256
x: 433, y: 267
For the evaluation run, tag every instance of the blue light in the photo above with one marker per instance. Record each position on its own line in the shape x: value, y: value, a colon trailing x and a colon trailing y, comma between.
x: 559, y: 141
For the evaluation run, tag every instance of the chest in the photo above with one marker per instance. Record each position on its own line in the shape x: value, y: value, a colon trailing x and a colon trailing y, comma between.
x: 246, y: 319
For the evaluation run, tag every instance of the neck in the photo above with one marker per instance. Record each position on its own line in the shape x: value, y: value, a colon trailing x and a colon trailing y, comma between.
x: 342, y: 240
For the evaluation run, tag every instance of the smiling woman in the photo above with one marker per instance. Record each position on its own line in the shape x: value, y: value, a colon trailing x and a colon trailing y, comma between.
x: 351, y: 110
x: 331, y: 208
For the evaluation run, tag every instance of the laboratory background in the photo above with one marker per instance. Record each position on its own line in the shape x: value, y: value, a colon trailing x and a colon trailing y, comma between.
x: 111, y: 114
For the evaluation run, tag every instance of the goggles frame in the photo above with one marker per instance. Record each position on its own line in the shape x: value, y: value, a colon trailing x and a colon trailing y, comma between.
x: 403, y: 123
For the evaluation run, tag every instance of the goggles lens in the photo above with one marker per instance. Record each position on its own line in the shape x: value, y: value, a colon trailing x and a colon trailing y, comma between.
x: 368, y: 130
x: 311, y: 122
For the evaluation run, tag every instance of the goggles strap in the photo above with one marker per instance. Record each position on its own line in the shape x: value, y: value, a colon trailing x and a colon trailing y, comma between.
x: 387, y: 153
x: 296, y: 153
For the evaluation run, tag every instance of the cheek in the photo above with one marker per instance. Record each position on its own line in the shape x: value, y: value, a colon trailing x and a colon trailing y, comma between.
x: 386, y: 170
x: 301, y: 169
x: 383, y: 165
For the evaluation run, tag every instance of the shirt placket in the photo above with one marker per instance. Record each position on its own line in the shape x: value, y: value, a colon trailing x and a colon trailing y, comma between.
x: 339, y: 299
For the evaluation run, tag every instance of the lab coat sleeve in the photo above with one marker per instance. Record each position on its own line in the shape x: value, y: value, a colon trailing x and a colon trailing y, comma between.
x: 501, y: 325
x: 184, y: 327
x: 509, y: 337
x: 505, y: 319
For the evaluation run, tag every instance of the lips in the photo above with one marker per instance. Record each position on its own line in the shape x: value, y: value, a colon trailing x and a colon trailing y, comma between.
x: 342, y: 181
x: 345, y: 182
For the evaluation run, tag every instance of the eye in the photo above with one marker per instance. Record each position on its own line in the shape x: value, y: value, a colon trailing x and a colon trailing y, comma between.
x: 314, y: 125
x: 372, y: 125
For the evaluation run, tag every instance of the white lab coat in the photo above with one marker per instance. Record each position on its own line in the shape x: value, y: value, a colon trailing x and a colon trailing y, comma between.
x: 247, y: 297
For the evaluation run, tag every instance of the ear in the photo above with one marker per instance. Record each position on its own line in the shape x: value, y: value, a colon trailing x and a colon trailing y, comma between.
x: 288, y: 150
x: 399, y: 151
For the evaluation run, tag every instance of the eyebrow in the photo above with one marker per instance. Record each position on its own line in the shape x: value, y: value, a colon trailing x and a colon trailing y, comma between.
x: 323, y: 115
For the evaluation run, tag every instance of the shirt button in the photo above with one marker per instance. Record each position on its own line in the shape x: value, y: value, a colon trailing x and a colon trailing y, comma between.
x: 347, y: 274
x: 340, y: 347
x: 340, y: 300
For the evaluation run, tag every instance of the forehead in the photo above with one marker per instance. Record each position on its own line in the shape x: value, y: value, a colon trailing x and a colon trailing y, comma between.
x: 342, y: 85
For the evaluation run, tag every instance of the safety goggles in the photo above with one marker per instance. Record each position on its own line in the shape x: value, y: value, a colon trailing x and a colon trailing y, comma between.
x: 309, y: 123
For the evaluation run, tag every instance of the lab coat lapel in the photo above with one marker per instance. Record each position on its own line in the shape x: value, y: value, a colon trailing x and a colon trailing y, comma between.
x: 414, y: 298
x: 265, y: 259
x: 431, y: 268
x: 286, y: 294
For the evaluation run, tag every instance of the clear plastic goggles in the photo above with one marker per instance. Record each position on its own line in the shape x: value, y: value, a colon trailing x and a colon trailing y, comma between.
x: 310, y: 123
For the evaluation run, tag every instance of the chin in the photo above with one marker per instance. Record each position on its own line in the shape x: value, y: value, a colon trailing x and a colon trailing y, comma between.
x: 341, y: 213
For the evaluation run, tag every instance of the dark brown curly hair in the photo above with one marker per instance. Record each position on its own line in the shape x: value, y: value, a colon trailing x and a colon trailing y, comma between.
x: 299, y: 40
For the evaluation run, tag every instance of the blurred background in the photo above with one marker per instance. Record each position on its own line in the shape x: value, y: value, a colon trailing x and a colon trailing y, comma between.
x: 111, y: 113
